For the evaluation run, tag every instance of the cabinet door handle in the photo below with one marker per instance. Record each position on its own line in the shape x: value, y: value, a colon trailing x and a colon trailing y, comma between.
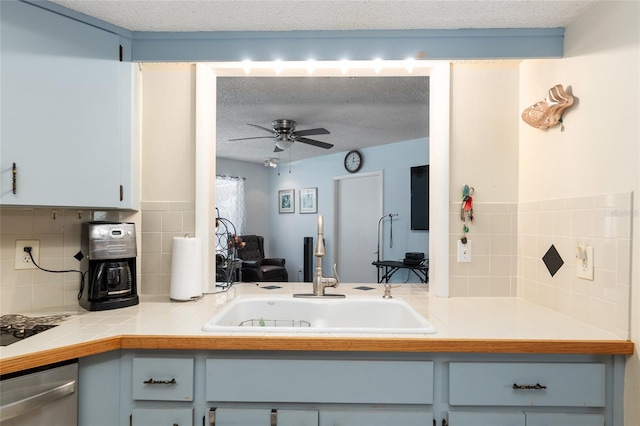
x: 14, y: 179
x: 212, y: 417
x: 537, y: 386
x: 274, y: 418
x: 160, y: 382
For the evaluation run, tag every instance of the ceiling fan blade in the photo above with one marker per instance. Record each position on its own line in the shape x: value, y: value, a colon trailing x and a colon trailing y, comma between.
x: 315, y: 143
x: 273, y: 132
x: 254, y: 137
x: 310, y: 132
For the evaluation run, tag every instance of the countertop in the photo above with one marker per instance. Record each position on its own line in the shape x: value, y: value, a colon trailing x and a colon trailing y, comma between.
x: 483, y: 325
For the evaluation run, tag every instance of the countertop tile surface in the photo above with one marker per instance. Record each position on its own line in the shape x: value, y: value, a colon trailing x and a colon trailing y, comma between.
x: 454, y: 318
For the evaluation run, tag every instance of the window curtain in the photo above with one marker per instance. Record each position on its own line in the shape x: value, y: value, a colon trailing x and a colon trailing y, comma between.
x: 230, y: 201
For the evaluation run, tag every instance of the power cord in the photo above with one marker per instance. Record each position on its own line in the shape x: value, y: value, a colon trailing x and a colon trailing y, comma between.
x: 82, y: 274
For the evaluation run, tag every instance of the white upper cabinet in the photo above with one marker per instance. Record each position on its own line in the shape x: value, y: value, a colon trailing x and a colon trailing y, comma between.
x: 66, y: 112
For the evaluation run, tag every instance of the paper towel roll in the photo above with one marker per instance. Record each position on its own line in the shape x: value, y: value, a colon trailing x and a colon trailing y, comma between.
x: 186, y: 268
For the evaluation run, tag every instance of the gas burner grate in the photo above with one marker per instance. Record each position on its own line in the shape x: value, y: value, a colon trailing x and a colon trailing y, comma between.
x: 14, y: 327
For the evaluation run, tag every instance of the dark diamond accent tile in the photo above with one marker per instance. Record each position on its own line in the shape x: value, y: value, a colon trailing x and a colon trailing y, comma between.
x: 79, y: 256
x: 364, y: 287
x: 552, y: 260
x: 271, y: 287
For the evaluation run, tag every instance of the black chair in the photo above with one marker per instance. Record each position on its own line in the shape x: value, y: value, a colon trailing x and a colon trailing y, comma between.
x: 255, y: 267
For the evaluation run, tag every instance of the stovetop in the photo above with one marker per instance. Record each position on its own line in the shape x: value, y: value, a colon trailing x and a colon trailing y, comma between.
x: 14, y: 328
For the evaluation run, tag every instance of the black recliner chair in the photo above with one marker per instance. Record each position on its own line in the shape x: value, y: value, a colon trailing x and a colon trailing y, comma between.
x: 255, y: 267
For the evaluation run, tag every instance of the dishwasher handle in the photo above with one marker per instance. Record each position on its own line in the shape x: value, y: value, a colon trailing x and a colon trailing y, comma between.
x: 18, y: 408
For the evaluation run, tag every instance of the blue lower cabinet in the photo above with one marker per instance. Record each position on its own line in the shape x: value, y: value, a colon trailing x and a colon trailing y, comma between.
x: 296, y: 418
x: 474, y: 418
x: 563, y: 419
x: 168, y: 387
x: 162, y: 417
x: 319, y: 381
x: 374, y: 417
x: 518, y: 418
x: 162, y: 379
x: 261, y: 417
x: 527, y: 384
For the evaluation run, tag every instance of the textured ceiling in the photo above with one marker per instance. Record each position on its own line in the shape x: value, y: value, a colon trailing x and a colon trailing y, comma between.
x: 279, y: 15
x: 358, y: 111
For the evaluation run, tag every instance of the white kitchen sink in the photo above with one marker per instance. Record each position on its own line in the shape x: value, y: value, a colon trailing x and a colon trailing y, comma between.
x: 286, y: 314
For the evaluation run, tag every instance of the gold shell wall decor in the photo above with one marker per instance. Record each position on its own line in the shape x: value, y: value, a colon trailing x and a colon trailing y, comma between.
x: 548, y: 113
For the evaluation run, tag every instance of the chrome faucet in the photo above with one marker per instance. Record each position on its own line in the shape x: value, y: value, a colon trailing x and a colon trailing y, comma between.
x: 320, y: 282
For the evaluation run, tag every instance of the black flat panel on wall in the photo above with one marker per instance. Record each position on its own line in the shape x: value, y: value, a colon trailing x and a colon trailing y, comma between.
x: 420, y: 198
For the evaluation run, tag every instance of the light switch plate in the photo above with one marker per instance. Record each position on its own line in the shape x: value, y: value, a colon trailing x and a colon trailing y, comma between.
x: 464, y: 252
x: 584, y: 268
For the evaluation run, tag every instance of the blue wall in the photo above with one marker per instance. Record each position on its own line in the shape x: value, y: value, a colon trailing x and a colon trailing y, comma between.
x: 289, y: 229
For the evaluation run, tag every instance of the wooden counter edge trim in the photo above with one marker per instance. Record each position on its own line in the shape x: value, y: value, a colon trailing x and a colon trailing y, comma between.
x: 50, y: 356
x: 378, y: 344
x: 301, y: 343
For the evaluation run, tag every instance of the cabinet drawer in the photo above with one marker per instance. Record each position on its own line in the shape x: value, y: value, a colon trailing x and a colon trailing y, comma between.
x: 262, y: 417
x: 375, y: 418
x: 163, y: 379
x: 480, y: 418
x: 527, y: 384
x: 319, y: 381
x: 563, y: 419
x: 162, y: 417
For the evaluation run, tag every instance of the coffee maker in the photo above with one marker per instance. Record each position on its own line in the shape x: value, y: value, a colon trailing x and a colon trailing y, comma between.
x: 110, y: 251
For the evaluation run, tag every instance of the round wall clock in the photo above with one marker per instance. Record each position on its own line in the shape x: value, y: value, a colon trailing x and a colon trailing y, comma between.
x: 353, y: 161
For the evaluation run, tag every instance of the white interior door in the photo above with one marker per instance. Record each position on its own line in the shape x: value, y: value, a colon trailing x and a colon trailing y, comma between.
x: 358, y: 204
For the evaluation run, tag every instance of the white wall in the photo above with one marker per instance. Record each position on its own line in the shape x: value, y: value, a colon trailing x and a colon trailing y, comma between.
x: 598, y: 151
x: 168, y: 132
x: 484, y: 155
x: 484, y: 135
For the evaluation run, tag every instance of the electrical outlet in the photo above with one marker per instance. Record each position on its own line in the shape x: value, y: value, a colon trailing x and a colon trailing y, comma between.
x: 584, y: 263
x: 464, y: 251
x: 22, y: 258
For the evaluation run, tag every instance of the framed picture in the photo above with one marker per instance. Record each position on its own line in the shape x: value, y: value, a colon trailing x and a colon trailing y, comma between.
x: 286, y: 201
x: 309, y: 200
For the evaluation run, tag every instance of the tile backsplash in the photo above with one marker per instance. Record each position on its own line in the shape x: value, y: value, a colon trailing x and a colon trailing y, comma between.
x: 161, y: 221
x: 602, y: 222
x: 509, y: 241
x: 58, y: 231
x: 492, y: 233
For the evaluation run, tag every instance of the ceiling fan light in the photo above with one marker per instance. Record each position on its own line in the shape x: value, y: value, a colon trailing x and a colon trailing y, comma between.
x: 271, y: 162
x: 283, y: 144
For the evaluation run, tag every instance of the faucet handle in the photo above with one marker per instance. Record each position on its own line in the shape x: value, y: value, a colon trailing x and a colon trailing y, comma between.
x: 335, y: 274
x: 387, y: 292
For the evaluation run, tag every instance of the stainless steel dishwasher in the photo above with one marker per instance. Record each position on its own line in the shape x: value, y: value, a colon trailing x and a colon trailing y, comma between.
x: 43, y: 396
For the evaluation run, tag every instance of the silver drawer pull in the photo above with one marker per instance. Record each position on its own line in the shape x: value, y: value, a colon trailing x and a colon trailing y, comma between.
x: 160, y: 382
x: 537, y: 386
